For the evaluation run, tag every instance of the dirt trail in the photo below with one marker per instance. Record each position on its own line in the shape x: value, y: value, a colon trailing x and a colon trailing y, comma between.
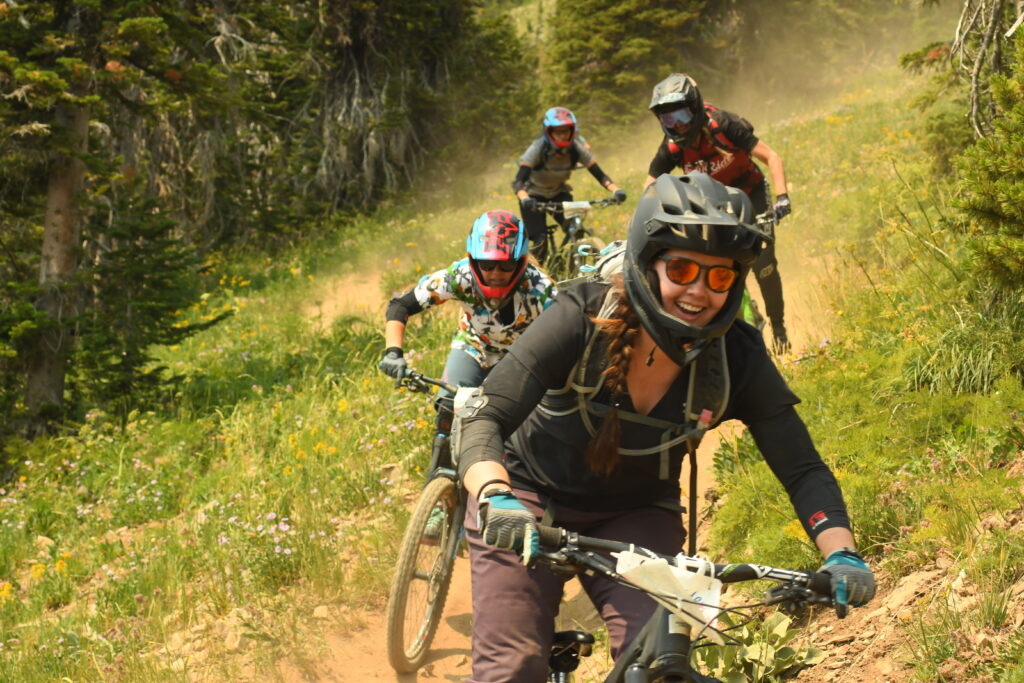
x: 357, y: 293
x: 361, y: 655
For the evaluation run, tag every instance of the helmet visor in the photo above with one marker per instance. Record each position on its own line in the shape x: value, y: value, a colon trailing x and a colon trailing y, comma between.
x: 670, y: 119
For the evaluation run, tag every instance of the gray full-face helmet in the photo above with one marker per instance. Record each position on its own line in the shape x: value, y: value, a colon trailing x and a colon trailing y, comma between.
x: 697, y: 213
x: 679, y: 94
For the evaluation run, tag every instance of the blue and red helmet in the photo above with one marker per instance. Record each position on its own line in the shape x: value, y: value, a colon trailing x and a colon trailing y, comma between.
x: 496, y: 238
x: 557, y: 117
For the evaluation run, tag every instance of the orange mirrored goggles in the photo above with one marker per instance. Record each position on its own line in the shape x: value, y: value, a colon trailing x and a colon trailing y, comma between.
x: 684, y: 271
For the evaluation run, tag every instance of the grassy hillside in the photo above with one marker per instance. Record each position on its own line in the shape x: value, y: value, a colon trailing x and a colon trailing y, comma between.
x: 208, y: 537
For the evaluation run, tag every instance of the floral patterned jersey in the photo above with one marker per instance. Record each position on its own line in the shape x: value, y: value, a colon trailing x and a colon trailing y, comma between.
x: 482, y: 334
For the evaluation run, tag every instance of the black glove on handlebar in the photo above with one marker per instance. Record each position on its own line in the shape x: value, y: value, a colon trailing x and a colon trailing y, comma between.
x: 782, y: 206
x: 620, y: 196
x: 393, y: 365
x: 528, y: 204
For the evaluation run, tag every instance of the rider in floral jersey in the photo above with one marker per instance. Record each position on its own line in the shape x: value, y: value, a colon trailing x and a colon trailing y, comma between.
x: 501, y: 292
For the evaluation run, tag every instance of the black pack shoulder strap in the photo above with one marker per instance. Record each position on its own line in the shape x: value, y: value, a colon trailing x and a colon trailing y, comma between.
x: 707, y: 396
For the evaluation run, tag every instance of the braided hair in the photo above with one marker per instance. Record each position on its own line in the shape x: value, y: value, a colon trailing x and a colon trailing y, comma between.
x: 621, y: 329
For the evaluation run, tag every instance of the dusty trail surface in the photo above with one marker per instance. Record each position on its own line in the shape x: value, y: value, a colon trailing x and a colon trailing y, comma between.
x: 361, y: 655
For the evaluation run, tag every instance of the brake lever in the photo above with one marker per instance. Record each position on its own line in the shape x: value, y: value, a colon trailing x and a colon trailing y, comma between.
x: 794, y: 599
x: 415, y: 385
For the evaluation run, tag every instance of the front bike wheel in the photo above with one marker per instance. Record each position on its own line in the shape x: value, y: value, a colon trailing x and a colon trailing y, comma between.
x: 423, y: 574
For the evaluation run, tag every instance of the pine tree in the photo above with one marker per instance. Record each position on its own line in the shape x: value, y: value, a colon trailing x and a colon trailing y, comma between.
x: 993, y: 182
x: 70, y: 74
x: 607, y: 54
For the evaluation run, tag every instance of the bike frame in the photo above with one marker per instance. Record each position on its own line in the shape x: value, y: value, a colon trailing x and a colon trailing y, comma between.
x: 573, y: 232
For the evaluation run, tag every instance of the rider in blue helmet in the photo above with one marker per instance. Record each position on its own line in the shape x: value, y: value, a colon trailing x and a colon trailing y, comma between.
x: 500, y: 291
x: 544, y: 170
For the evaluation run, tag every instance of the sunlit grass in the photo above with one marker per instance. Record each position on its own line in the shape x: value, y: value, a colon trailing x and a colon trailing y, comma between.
x: 271, y: 480
x: 915, y: 401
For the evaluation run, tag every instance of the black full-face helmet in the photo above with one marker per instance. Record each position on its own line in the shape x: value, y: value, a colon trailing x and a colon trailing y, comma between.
x: 678, y: 97
x: 697, y: 213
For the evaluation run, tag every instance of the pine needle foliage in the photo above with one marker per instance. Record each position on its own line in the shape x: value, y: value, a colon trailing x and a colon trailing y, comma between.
x: 606, y: 54
x: 993, y: 184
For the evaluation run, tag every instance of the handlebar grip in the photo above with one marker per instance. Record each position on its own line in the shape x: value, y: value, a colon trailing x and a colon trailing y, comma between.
x: 821, y: 583
x: 550, y: 537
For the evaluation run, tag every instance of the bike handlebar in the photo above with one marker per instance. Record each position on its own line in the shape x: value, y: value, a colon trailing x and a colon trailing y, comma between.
x: 418, y: 382
x: 582, y: 205
x: 570, y: 549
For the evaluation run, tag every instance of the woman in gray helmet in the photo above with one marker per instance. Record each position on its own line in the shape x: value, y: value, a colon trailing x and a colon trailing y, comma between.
x: 580, y: 424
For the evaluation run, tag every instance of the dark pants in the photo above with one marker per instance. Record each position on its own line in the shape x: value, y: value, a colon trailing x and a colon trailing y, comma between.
x: 514, y: 608
x: 766, y: 270
x: 536, y: 222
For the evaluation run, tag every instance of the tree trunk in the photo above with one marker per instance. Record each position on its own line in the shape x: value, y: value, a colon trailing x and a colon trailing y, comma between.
x: 62, y: 230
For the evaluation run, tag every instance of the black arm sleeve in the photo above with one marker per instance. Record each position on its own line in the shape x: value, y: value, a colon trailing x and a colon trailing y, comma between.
x: 663, y: 162
x: 787, y: 448
x: 401, y: 307
x: 599, y: 175
x: 511, y: 397
x: 522, y: 175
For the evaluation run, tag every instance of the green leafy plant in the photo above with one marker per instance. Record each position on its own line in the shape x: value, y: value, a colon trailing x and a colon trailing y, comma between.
x: 764, y: 653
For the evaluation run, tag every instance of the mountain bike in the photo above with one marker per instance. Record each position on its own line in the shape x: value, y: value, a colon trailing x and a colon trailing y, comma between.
x: 686, y: 590
x: 426, y: 556
x: 578, y: 245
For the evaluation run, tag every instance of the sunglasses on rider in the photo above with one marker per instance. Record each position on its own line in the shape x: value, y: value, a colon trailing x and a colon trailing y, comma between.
x: 670, y: 119
x: 503, y: 266
x: 684, y: 271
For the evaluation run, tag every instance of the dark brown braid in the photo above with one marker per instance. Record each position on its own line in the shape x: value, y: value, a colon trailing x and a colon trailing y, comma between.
x: 621, y: 329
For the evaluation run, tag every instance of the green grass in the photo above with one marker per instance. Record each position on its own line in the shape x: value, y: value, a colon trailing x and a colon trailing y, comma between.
x: 270, y: 479
x: 915, y: 401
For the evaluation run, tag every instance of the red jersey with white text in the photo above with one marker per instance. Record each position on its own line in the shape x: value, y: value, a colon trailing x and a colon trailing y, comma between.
x: 722, y: 151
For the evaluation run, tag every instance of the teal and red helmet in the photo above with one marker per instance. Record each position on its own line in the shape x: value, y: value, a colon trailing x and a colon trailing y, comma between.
x: 497, y: 240
x: 556, y: 117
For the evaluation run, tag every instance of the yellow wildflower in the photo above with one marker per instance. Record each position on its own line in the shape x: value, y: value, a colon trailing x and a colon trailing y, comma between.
x: 794, y: 530
x: 60, y: 566
x: 38, y: 570
x: 342, y: 405
x: 6, y: 588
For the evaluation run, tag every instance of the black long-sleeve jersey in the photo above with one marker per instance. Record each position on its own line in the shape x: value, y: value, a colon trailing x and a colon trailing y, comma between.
x: 545, y: 452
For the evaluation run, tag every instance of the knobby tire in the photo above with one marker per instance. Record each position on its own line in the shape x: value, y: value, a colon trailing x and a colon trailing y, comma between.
x: 422, y: 577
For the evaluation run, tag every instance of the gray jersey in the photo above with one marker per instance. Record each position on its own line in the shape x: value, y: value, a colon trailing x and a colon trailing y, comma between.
x: 551, y: 171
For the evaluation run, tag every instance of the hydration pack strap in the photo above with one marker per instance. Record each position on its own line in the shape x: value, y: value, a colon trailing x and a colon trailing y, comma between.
x: 691, y: 534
